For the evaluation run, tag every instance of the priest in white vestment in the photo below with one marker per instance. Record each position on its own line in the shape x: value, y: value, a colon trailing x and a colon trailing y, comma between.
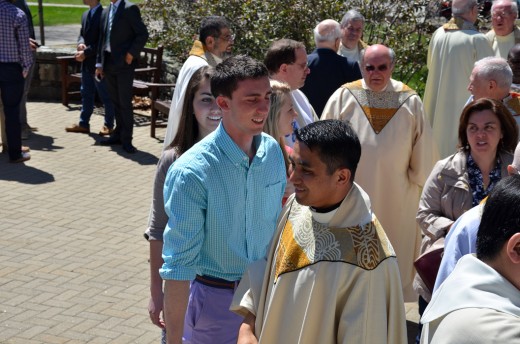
x: 504, y: 33
x: 454, y: 48
x: 215, y: 43
x: 398, y: 150
x: 331, y: 274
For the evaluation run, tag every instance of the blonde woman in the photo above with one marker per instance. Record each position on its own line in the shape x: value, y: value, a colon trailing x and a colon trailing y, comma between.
x: 280, y: 123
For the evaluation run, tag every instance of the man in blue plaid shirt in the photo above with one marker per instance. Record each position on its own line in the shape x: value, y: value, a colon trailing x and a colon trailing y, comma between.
x: 15, y: 61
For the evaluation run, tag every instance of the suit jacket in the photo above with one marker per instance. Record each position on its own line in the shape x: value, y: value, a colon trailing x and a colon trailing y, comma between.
x: 328, y: 72
x: 89, y: 35
x: 128, y: 34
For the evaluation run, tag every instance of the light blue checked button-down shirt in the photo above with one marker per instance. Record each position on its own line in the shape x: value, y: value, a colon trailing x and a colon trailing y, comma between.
x: 222, y: 209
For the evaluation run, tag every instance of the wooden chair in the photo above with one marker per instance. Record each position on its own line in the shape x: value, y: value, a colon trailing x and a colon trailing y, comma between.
x: 147, y: 82
x: 159, y: 106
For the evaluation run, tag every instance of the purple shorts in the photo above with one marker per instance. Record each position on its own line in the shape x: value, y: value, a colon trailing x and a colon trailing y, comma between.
x: 208, y: 318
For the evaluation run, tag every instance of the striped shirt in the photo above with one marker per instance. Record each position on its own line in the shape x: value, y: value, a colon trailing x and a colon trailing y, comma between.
x: 222, y: 209
x: 14, y: 36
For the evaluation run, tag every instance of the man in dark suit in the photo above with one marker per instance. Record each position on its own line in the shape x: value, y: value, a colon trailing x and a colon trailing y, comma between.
x: 86, y: 53
x: 123, y: 36
x: 328, y: 69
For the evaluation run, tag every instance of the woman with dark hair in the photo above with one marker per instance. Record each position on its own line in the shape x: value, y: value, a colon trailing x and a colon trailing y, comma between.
x: 200, y: 116
x: 488, y: 136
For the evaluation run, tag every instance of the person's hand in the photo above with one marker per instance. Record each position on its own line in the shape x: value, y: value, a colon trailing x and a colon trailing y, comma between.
x: 155, y: 307
x: 246, y: 333
x: 129, y: 58
x: 80, y: 56
x: 25, y: 73
x: 81, y: 47
x: 99, y: 73
x: 33, y: 44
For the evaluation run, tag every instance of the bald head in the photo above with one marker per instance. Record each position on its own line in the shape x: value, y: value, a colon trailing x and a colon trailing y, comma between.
x: 377, y: 64
x: 327, y: 34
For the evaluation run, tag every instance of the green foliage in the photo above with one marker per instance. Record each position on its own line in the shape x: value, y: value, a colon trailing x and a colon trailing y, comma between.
x: 401, y: 24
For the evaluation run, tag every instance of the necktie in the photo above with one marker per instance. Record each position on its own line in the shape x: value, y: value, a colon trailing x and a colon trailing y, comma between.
x: 110, y: 19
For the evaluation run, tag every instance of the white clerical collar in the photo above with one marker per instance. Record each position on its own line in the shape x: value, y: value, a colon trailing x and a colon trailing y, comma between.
x: 323, y: 218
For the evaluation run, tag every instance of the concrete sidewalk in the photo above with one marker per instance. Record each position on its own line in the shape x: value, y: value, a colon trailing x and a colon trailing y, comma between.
x: 73, y: 259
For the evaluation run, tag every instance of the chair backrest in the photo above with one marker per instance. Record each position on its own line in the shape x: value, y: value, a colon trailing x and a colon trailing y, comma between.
x: 149, y: 65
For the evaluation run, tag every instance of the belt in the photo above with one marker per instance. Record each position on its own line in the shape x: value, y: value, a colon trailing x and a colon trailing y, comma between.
x: 216, y: 282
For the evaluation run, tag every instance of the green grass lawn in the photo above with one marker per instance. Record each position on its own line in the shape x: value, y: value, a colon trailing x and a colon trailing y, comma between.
x: 53, y: 16
x: 57, y: 15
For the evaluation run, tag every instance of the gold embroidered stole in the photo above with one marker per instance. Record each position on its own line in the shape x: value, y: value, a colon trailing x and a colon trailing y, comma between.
x: 198, y: 50
x: 304, y: 242
x: 456, y: 23
x: 512, y: 102
x: 379, y: 107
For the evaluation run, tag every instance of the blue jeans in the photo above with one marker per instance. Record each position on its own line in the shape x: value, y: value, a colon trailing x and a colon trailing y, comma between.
x: 88, y: 94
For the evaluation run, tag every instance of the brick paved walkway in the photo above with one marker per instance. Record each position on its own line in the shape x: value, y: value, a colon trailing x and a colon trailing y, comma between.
x: 73, y: 262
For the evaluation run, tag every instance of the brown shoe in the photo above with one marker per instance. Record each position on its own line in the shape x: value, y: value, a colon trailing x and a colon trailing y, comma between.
x: 76, y: 128
x: 22, y: 158
x: 105, y: 131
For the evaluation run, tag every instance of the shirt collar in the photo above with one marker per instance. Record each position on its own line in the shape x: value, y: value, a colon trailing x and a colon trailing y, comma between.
x: 231, y: 149
x: 116, y: 4
x: 94, y: 9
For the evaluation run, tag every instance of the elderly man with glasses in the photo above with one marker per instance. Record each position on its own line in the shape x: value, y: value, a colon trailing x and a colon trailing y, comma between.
x: 505, y: 34
x: 398, y: 151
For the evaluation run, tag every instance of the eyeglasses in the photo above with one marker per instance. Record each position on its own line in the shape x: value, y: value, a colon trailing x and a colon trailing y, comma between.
x: 502, y: 14
x: 381, y: 68
x: 301, y: 65
x: 229, y: 37
x: 351, y: 29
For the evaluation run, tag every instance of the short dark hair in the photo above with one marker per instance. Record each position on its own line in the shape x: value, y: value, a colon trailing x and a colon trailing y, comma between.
x: 501, y: 218
x: 211, y: 26
x: 507, y: 123
x: 336, y: 143
x: 280, y: 52
x: 234, y: 69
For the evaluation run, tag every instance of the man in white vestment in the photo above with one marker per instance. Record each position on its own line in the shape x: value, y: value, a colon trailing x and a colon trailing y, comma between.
x: 398, y: 150
x: 286, y: 61
x: 352, y: 25
x: 214, y: 44
x: 491, y: 78
x: 479, y: 303
x: 504, y: 33
x: 331, y: 274
x: 453, y: 50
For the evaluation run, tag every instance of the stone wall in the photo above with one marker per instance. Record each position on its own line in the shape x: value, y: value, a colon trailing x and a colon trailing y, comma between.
x: 46, y: 82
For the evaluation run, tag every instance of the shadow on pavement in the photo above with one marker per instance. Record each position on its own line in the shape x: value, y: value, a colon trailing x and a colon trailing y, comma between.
x: 23, y: 173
